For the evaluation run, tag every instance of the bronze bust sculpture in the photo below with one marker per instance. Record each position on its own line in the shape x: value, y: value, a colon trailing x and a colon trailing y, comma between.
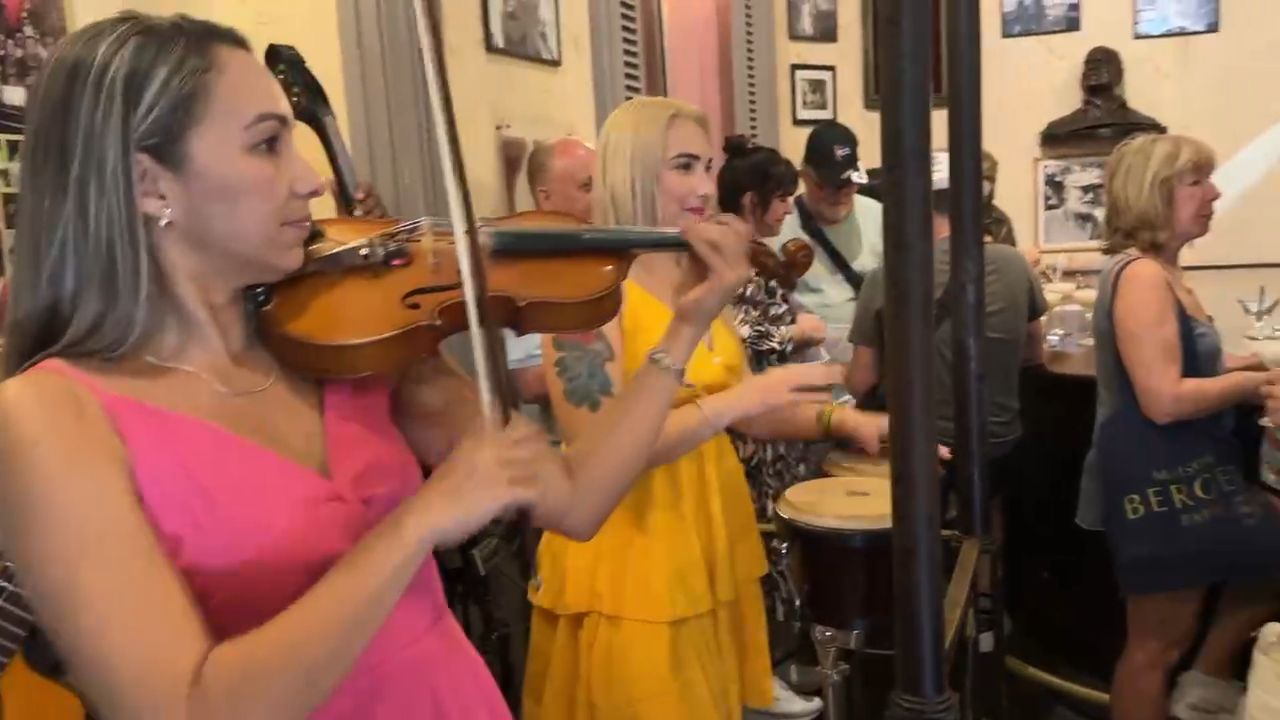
x: 1103, y: 118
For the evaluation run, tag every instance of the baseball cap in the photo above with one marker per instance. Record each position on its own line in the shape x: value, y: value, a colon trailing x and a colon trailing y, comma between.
x: 832, y: 154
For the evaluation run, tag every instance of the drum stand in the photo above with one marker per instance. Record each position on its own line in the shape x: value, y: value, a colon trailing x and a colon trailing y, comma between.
x: 831, y: 645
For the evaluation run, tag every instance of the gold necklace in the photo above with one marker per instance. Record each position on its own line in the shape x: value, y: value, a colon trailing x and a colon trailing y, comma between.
x: 275, y: 373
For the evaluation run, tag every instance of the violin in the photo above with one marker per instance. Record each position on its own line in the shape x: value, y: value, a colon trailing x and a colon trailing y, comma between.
x: 376, y: 295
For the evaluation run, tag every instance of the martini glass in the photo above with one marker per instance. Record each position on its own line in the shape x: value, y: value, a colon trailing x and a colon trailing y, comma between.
x: 1259, y: 311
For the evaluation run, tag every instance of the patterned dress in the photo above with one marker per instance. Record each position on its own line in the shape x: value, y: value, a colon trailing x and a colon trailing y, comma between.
x: 763, y: 312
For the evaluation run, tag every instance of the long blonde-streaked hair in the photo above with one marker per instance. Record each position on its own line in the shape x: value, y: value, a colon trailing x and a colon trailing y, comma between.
x: 1141, y: 175
x: 85, y: 279
x: 631, y: 155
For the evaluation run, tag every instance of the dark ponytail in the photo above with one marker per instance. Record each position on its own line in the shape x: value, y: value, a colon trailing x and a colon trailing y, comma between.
x: 750, y: 168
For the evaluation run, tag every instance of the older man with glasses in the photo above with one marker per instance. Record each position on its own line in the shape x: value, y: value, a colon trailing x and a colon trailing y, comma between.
x: 844, y: 228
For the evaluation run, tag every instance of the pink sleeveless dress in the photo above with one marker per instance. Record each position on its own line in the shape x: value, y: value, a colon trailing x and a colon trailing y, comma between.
x: 251, y: 531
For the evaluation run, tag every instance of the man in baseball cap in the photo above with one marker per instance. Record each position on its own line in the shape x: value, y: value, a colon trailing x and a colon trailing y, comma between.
x: 831, y: 154
x: 844, y: 228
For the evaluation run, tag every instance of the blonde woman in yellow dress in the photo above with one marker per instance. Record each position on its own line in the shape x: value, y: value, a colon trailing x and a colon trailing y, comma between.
x: 660, y: 615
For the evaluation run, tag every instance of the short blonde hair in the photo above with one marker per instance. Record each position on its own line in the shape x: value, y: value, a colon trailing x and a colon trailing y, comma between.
x: 632, y: 153
x: 1141, y: 174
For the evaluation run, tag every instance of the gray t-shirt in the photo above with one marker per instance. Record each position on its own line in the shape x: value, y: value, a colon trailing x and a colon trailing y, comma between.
x: 1013, y: 300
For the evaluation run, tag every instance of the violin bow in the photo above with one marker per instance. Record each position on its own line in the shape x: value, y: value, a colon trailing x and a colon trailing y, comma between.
x: 486, y: 341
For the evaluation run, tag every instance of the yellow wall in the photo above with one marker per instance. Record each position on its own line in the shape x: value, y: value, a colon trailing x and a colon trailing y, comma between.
x: 537, y: 101
x: 1212, y: 86
x: 846, y: 55
x: 309, y: 25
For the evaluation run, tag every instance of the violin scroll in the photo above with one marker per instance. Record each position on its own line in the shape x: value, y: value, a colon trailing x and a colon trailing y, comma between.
x: 787, y: 269
x: 797, y: 258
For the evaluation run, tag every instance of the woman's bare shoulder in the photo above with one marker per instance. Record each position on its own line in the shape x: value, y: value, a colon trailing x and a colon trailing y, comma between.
x: 42, y: 410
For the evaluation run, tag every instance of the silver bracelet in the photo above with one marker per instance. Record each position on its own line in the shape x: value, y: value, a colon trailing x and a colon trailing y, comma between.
x: 661, y: 359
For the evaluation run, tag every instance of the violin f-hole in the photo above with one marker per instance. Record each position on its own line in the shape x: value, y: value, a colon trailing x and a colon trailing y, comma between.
x: 408, y: 298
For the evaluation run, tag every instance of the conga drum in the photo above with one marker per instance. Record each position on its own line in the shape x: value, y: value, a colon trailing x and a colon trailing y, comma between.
x: 843, y: 463
x: 840, y: 533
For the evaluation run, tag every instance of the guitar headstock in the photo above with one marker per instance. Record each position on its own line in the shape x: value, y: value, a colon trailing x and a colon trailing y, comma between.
x: 306, y: 95
x: 311, y: 107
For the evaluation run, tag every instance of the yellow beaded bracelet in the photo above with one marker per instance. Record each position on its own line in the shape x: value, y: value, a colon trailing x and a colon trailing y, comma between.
x: 825, y: 416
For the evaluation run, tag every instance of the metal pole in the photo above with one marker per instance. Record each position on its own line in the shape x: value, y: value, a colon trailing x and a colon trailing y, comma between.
x: 920, y: 693
x: 968, y: 291
x: 967, y: 340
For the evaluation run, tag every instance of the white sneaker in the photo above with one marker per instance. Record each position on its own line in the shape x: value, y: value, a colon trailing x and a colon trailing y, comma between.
x: 1197, y: 696
x: 788, y: 704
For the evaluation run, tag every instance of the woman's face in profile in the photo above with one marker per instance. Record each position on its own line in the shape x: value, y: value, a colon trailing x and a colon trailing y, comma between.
x: 241, y: 199
x: 1193, y: 197
x: 770, y: 222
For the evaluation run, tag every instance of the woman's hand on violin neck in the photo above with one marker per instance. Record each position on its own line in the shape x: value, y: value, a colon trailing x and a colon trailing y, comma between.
x: 492, y: 472
x: 720, y: 247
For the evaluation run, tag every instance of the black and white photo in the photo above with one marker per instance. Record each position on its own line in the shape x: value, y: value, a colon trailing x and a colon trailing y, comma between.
x: 527, y: 29
x: 1020, y: 18
x: 813, y: 20
x: 1072, y: 203
x: 813, y: 94
x: 1165, y: 18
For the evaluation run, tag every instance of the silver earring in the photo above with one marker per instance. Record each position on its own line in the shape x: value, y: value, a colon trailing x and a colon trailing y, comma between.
x: 166, y: 217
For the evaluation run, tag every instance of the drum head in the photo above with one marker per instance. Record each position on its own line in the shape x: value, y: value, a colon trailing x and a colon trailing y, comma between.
x: 842, y: 463
x: 840, y: 503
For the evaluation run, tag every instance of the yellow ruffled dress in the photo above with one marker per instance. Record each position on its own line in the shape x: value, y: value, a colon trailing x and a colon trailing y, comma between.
x: 660, y: 615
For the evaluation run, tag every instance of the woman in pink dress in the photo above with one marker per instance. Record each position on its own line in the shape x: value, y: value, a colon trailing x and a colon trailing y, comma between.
x: 202, y: 532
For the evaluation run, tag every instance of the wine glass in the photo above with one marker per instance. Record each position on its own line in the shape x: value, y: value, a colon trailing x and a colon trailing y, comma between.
x: 1259, y: 311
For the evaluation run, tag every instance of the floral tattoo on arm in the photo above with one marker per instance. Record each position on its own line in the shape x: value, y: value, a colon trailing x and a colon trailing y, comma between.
x: 581, y: 367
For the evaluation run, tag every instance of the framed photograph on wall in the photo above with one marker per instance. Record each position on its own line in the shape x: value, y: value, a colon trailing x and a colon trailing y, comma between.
x: 813, y: 94
x: 1024, y: 18
x: 526, y: 29
x: 811, y: 20
x: 872, y: 54
x: 1071, y: 204
x: 1167, y: 18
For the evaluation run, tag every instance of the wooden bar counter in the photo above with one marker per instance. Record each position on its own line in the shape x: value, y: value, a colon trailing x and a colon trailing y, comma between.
x: 1066, y: 612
